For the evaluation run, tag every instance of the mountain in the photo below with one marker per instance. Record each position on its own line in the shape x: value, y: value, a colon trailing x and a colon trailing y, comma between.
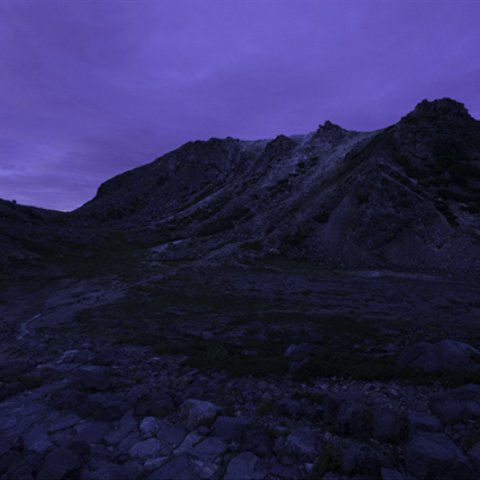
x: 406, y: 196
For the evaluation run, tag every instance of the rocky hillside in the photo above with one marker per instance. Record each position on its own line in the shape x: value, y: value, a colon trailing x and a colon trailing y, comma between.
x: 26, y: 230
x: 406, y: 196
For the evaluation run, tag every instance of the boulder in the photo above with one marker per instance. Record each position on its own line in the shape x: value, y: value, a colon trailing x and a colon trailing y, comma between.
x: 257, y: 440
x: 290, y: 472
x: 149, y: 426
x: 208, y: 449
x: 206, y: 469
x: 37, y: 440
x: 230, y: 428
x: 302, y: 351
x: 179, y: 467
x: 156, y: 404
x: 92, y: 432
x: 433, y: 456
x: 91, y: 381
x: 447, y: 356
x: 63, y: 422
x: 359, y: 458
x: 422, y: 422
x: 101, y: 470
x: 58, y: 463
x: 170, y: 436
x: 128, y: 442
x: 122, y: 429
x: 146, y: 449
x: 245, y: 466
x: 302, y: 444
x: 188, y: 443
x: 152, y: 464
x: 458, y: 404
x: 103, y: 406
x: 67, y: 399
x: 288, y: 407
x: 197, y: 413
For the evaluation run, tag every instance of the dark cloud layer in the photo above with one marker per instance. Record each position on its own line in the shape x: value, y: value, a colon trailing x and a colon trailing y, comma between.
x: 93, y: 87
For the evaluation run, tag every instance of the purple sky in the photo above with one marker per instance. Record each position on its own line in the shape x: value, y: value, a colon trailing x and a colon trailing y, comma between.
x: 91, y: 88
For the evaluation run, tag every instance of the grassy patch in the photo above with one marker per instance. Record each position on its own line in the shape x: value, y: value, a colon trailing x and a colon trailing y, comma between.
x: 340, y: 363
x: 249, y: 358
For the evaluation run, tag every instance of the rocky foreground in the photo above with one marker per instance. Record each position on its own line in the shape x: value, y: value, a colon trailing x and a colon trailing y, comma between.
x: 240, y: 389
x: 105, y: 412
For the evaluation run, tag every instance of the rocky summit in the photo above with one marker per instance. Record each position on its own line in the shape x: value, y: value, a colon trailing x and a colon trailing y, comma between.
x: 300, y: 307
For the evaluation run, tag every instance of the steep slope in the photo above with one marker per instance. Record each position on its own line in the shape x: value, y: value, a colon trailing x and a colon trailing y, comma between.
x: 406, y: 196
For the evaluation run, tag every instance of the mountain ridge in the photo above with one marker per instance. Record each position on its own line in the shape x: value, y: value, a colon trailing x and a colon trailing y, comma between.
x: 405, y: 196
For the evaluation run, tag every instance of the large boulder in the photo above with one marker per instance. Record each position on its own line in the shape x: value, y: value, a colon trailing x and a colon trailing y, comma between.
x: 208, y: 449
x: 458, y: 404
x: 302, y: 351
x: 122, y: 429
x: 149, y: 426
x: 447, y: 356
x: 198, y: 412
x: 37, y: 440
x: 177, y: 467
x: 146, y: 449
x: 433, y: 456
x: 101, y: 470
x: 359, y: 458
x: 103, y: 406
x: 245, y: 466
x: 422, y: 422
x: 302, y: 444
x: 58, y: 463
x: 92, y: 432
x: 230, y: 428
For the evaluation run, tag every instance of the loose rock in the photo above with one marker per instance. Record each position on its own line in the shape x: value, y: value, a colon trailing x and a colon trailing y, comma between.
x: 431, y: 456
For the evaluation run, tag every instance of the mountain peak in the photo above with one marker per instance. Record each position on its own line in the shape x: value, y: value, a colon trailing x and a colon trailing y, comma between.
x: 329, y: 126
x: 440, y: 108
x: 330, y: 132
